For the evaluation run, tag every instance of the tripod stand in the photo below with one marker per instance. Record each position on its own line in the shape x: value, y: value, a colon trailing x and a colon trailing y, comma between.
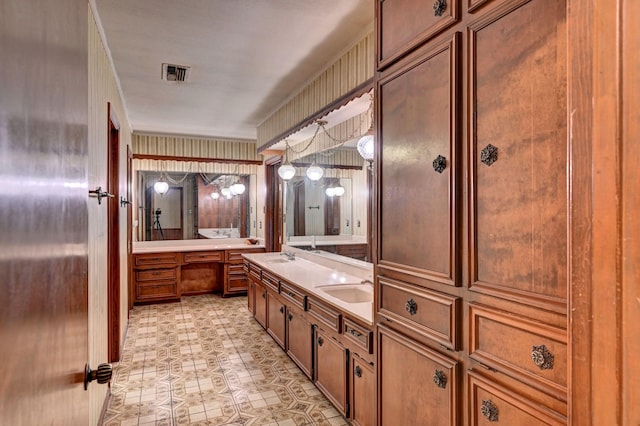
x: 156, y: 222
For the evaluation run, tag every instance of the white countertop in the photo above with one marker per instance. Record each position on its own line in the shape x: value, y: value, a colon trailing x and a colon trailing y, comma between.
x: 325, y: 240
x: 193, y: 245
x: 312, y: 273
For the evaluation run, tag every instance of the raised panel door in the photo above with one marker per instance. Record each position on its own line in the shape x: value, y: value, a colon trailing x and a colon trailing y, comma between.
x: 261, y: 305
x: 363, y: 385
x: 331, y: 363
x: 418, y: 170
x: 300, y: 340
x: 276, y: 319
x: 519, y: 154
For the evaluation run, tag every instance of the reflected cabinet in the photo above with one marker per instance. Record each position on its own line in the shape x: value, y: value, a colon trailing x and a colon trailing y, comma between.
x: 472, y: 208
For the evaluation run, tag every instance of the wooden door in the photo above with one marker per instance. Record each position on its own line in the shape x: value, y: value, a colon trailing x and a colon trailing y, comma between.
x: 113, y: 235
x: 300, y: 340
x: 331, y: 361
x: 276, y: 325
x: 43, y: 225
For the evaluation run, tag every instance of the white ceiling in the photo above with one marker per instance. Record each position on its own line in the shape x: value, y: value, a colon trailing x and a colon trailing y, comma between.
x: 247, y: 57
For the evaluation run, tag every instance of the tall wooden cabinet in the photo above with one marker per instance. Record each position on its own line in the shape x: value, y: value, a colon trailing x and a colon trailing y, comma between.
x: 472, y: 270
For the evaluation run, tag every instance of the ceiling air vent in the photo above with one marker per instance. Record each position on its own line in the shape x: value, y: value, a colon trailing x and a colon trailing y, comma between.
x: 172, y: 72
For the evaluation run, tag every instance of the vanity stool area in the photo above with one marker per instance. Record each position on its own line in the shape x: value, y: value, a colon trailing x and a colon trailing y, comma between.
x: 163, y: 271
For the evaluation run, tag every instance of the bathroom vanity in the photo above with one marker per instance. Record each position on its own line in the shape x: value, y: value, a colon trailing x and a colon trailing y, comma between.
x: 165, y: 270
x: 318, y: 307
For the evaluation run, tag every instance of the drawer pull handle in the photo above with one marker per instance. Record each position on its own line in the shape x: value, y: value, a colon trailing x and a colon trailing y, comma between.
x: 440, y: 379
x: 411, y: 306
x: 541, y: 357
x: 264, y: 295
x: 439, y: 164
x: 439, y: 7
x: 354, y: 333
x: 282, y: 309
x: 489, y: 410
x: 291, y: 294
x: 358, y: 371
x: 489, y: 155
x: 290, y: 316
x: 320, y: 341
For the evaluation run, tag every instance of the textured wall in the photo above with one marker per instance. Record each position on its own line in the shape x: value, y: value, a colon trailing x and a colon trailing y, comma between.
x: 191, y: 146
x: 354, y: 68
x: 102, y: 89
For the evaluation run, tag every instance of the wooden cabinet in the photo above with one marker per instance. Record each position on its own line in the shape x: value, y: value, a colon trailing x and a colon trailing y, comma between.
x: 201, y: 272
x: 156, y: 277
x: 472, y: 210
x: 235, y: 277
x: 331, y: 366
x: 299, y: 336
x: 363, y: 385
x: 251, y: 297
x: 276, y: 325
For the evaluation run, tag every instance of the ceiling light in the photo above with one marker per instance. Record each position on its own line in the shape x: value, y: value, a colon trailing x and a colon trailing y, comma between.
x: 238, y: 188
x: 365, y: 147
x: 330, y: 192
x: 314, y: 172
x: 215, y: 195
x: 161, y: 186
x: 339, y: 191
x: 286, y: 171
x: 226, y: 192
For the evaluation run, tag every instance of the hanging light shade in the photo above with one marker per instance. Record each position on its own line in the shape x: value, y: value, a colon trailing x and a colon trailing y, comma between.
x: 314, y: 172
x: 330, y: 192
x: 226, y: 192
x: 286, y: 171
x: 365, y: 147
x: 215, y: 195
x: 161, y: 186
x: 338, y: 191
x: 238, y: 188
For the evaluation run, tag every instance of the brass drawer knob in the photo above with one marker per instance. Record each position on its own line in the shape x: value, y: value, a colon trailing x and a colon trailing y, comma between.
x: 489, y: 155
x: 439, y: 164
x: 541, y: 357
x: 440, y: 379
x: 358, y: 371
x: 411, y: 306
x: 489, y: 410
x: 439, y: 7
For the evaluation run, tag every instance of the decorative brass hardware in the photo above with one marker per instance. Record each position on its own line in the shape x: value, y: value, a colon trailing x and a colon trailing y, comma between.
x: 358, y: 371
x: 290, y: 316
x: 439, y: 164
x: 124, y: 202
x: 440, y: 379
x: 99, y: 194
x: 541, y: 356
x: 411, y: 306
x: 489, y: 410
x: 439, y: 7
x: 102, y: 374
x: 320, y: 341
x: 489, y: 155
x: 354, y: 333
x: 282, y: 309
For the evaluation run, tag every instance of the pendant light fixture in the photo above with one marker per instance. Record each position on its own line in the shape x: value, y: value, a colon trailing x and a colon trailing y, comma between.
x: 161, y: 186
x: 366, y: 143
x: 286, y: 171
x: 314, y: 172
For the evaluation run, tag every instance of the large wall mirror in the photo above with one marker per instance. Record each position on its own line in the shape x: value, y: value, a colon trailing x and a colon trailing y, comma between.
x: 216, y: 201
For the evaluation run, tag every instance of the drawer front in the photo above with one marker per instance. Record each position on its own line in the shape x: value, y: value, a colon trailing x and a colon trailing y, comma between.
x: 235, y: 256
x: 358, y: 334
x: 236, y: 283
x: 350, y: 250
x: 203, y: 256
x: 245, y: 267
x: 157, y: 274
x: 493, y: 404
x: 159, y: 290
x: 235, y: 269
x: 255, y: 273
x: 427, y: 312
x: 270, y: 281
x: 534, y: 352
x: 156, y: 259
x: 326, y: 316
x: 293, y: 295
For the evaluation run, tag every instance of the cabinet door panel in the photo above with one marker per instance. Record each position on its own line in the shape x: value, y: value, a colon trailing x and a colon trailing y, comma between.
x: 300, y: 341
x: 519, y: 194
x: 276, y: 319
x: 419, y: 121
x: 363, y: 385
x: 331, y: 363
x: 411, y: 369
x: 261, y: 305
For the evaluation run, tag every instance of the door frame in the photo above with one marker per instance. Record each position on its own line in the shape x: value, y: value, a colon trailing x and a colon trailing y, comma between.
x: 113, y: 236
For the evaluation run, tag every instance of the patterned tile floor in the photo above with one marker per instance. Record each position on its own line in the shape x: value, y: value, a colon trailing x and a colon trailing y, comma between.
x: 205, y: 361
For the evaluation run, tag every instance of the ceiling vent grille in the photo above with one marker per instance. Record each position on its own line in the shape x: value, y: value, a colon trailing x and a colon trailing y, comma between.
x: 178, y: 73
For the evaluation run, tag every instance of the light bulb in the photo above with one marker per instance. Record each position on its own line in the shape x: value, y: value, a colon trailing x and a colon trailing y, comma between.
x: 238, y: 188
x: 330, y: 192
x: 286, y: 171
x: 314, y: 172
x: 365, y: 147
x: 215, y: 195
x: 226, y: 192
x: 339, y: 191
x: 161, y: 187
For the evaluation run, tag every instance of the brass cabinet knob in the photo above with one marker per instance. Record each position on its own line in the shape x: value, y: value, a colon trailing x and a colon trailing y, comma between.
x: 489, y: 410
x: 440, y: 379
x: 542, y: 357
x: 102, y: 374
x: 411, y: 306
x: 358, y: 371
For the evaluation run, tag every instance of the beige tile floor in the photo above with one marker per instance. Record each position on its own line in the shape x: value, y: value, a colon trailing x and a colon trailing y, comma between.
x: 205, y: 361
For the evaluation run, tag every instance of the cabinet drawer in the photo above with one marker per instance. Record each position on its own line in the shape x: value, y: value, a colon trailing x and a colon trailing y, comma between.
x: 235, y: 256
x: 156, y: 259
x: 255, y: 272
x: 531, y: 351
x: 404, y: 25
x: 245, y: 267
x: 492, y: 404
x: 327, y: 317
x: 293, y: 295
x: 235, y: 269
x: 358, y: 334
x: 158, y: 290
x: 203, y: 256
x: 157, y: 274
x: 351, y: 250
x: 236, y: 283
x: 270, y: 281
x: 427, y: 312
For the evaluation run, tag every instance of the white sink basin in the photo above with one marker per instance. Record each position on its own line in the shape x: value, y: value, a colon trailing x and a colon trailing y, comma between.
x: 350, y: 293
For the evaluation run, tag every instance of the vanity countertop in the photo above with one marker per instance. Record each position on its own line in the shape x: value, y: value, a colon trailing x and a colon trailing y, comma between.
x: 317, y: 273
x: 326, y: 240
x: 193, y: 245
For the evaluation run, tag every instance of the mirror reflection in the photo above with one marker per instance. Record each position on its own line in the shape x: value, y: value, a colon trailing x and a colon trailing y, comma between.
x: 194, y: 206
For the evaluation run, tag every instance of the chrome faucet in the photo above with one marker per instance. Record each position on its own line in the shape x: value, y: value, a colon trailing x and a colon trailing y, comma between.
x: 290, y: 255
